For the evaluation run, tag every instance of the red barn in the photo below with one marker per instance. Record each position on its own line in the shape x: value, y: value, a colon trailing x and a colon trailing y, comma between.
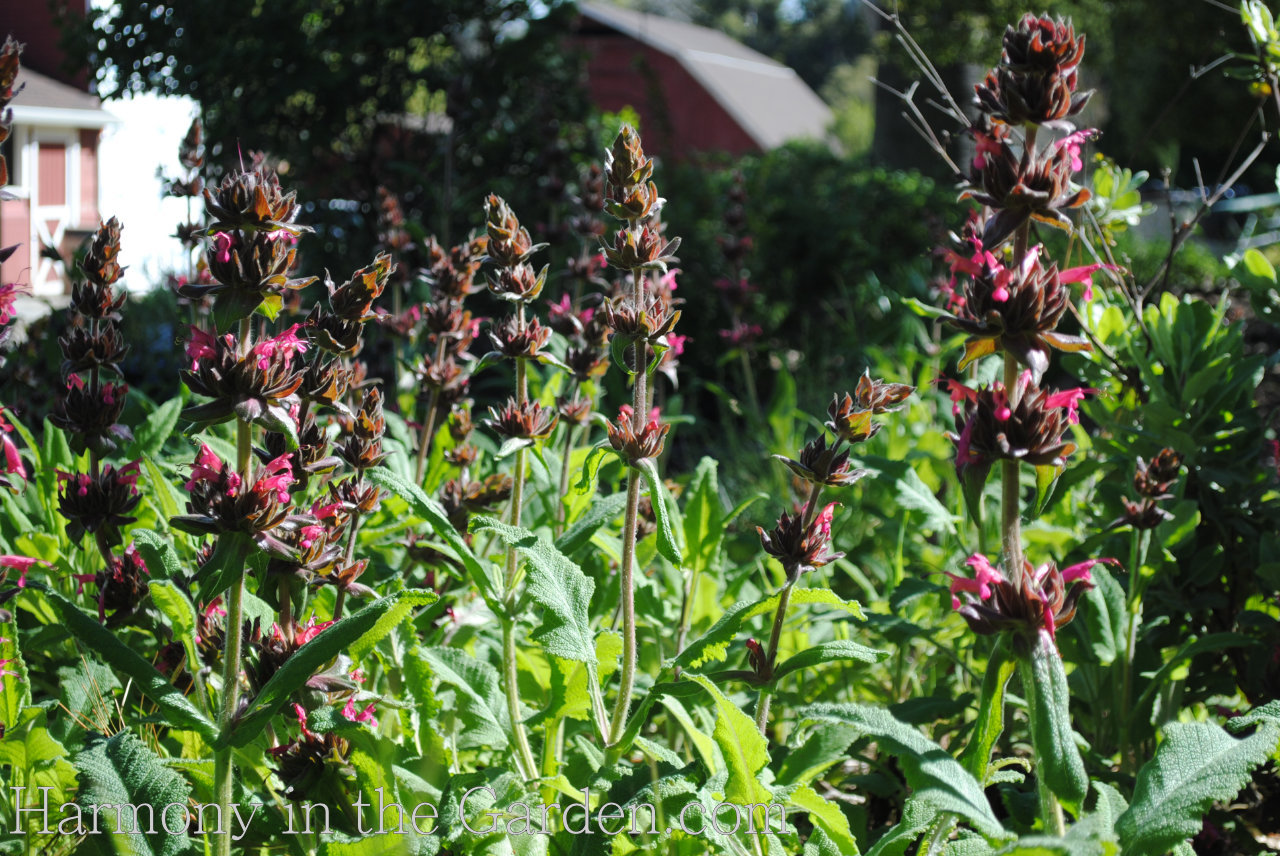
x: 52, y: 154
x: 696, y: 89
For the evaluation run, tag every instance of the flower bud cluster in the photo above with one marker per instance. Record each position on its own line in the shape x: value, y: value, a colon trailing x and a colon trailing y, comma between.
x: 800, y: 541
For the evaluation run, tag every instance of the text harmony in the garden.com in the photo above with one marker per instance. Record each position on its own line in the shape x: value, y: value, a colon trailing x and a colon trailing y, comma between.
x: 475, y: 813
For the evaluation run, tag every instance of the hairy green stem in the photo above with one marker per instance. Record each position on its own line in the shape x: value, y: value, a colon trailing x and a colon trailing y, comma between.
x: 224, y: 772
x: 428, y: 424
x: 569, y: 431
x: 510, y: 670
x: 779, y: 617
x: 1010, y: 498
x: 1133, y: 620
x: 639, y: 408
x: 627, y: 608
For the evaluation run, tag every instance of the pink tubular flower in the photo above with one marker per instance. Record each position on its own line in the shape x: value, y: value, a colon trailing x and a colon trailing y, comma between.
x: 1081, y: 570
x: 1072, y: 143
x: 1070, y: 399
x: 9, y: 292
x: 222, y: 244
x: 985, y: 575
x: 12, y: 460
x: 306, y: 632
x: 1084, y: 274
x: 309, y: 536
x: 668, y: 279
x: 278, y: 475
x: 676, y: 343
x: 286, y: 344
x: 22, y: 565
x: 959, y: 393
x: 201, y: 345
x: 209, y: 467
x: 349, y: 711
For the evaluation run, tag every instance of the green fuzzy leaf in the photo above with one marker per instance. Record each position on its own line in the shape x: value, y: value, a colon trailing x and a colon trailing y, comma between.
x: 128, y: 789
x: 1105, y: 616
x: 924, y: 310
x: 973, y: 479
x: 270, y: 307
x: 510, y: 446
x: 480, y: 705
x: 715, y: 642
x: 913, y: 493
x: 157, y: 551
x: 1046, y: 478
x: 586, y: 483
x: 230, y: 306
x: 826, y: 816
x: 743, y: 747
x: 150, y: 436
x: 931, y: 773
x: 1269, y: 713
x: 1044, y: 683
x: 177, y: 607
x: 173, y: 705
x: 355, y: 634
x: 989, y: 726
x: 603, y: 510
x: 1197, y: 765
x: 826, y: 744
x: 1211, y: 642
x: 664, y: 508
x: 1258, y: 265
x: 15, y: 687
x: 28, y: 745
x: 483, y: 574
x: 829, y: 652
x: 230, y: 553
x: 558, y: 586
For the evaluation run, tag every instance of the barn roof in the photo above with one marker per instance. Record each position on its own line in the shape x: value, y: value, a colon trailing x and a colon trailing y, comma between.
x: 768, y: 99
x: 45, y: 101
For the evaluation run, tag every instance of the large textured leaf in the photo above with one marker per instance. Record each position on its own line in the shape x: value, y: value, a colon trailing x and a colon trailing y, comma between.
x: 603, y: 510
x: 911, y: 492
x: 1058, y: 761
x: 1197, y: 765
x: 558, y: 586
x: 28, y: 746
x: 173, y: 705
x: 744, y: 748
x: 933, y: 775
x: 482, y: 574
x: 149, y: 437
x: 356, y: 634
x: 157, y: 551
x: 715, y: 642
x: 481, y: 707
x: 827, y: 816
x: 121, y: 772
x: 176, y: 606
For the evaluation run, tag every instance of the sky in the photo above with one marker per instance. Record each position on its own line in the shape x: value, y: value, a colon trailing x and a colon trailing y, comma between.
x: 145, y: 138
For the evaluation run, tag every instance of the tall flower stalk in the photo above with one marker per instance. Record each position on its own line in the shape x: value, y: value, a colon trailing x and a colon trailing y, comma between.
x: 254, y: 382
x: 641, y: 323
x: 1012, y: 299
x: 801, y: 540
x: 520, y: 422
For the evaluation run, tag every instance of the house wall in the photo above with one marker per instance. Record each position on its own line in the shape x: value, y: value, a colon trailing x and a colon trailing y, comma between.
x: 678, y: 117
x: 56, y: 171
